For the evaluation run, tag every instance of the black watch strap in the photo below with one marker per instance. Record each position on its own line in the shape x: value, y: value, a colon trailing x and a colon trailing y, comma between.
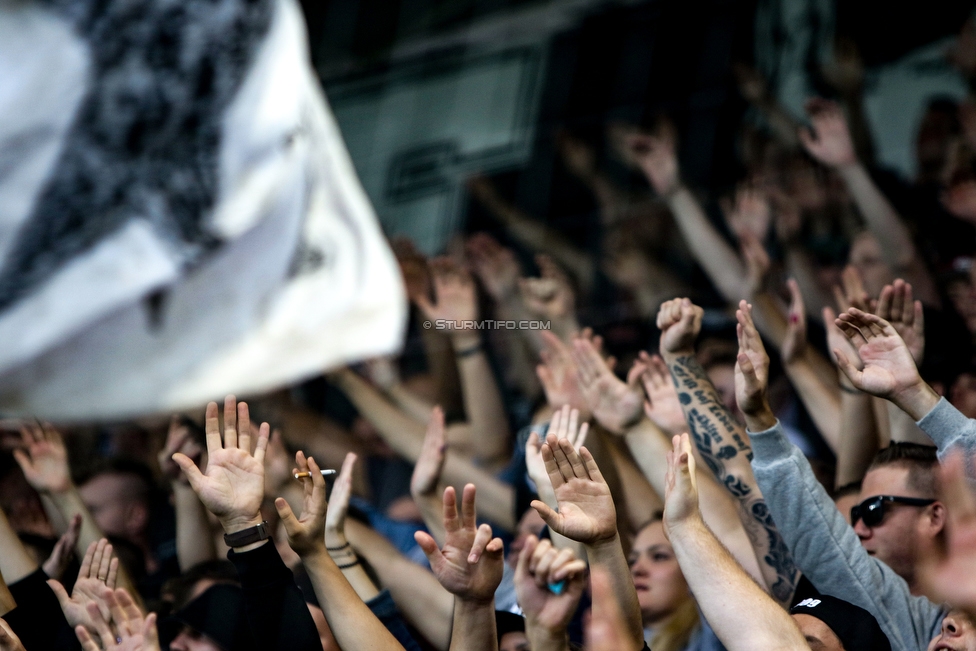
x: 247, y: 536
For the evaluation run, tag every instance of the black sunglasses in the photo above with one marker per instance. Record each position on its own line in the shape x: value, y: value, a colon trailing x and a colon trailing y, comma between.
x: 873, y: 512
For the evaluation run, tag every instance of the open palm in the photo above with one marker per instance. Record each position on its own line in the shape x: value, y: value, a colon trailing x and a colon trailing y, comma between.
x: 615, y: 404
x: 888, y: 365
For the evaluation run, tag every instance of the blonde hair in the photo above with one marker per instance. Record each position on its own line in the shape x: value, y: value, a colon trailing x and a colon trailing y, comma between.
x: 676, y: 631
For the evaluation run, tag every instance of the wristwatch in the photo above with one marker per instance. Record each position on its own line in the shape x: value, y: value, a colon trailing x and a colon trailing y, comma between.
x: 247, y: 536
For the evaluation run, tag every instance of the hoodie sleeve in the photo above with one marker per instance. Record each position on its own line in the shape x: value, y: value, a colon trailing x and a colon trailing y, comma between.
x: 826, y: 549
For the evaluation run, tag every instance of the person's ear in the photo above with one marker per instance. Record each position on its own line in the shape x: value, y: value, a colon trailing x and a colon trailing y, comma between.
x: 936, y: 517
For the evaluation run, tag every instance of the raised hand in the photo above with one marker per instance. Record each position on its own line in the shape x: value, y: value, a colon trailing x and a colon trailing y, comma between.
x: 752, y: 364
x: 895, y: 305
x: 413, y: 267
x: 615, y: 404
x: 564, y: 424
x: 889, y: 368
x: 57, y: 562
x: 679, y: 321
x: 306, y: 534
x: 126, y: 629
x: 830, y: 140
x: 757, y: 263
x: 335, y: 518
x: 495, y: 266
x: 45, y: 460
x: 662, y: 405
x: 99, y: 570
x: 558, y: 375
x: 179, y: 438
x: 540, y: 567
x: 278, y: 469
x: 654, y: 154
x: 430, y: 464
x: 586, y: 511
x: 749, y: 213
x: 470, y: 564
x: 233, y: 486
x: 853, y: 293
x: 681, y: 485
x: 455, y: 291
x: 551, y: 295
x: 795, y: 341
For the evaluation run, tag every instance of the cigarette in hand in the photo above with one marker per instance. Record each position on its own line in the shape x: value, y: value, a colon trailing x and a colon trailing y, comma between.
x: 325, y: 473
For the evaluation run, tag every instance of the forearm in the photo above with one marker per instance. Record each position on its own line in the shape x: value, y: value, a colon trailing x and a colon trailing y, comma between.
x: 719, y: 260
x: 859, y: 442
x: 194, y: 544
x: 903, y: 427
x: 58, y: 523
x: 541, y: 639
x: 609, y: 555
x: 721, y: 443
x: 650, y: 447
x: 821, y: 400
x: 412, y: 404
x: 352, y: 622
x: 482, y: 401
x: 742, y: 616
x: 432, y: 511
x: 640, y: 499
x: 7, y: 601
x: 15, y: 562
x: 474, y: 626
x: 421, y: 599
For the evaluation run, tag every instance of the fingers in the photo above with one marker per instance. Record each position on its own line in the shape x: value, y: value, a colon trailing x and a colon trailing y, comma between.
x: 105, y: 564
x: 101, y: 626
x: 189, y: 468
x: 550, y: 517
x: 230, y: 422
x: 481, y: 540
x: 86, y: 561
x: 118, y: 615
x: 59, y: 592
x: 87, y: 643
x: 96, y: 559
x: 549, y: 458
x: 468, y: 512
x: 287, y: 516
x: 113, y: 573
x: 575, y: 461
x: 260, y: 450
x: 318, y: 481
x: 452, y: 523
x: 562, y: 461
x: 129, y: 606
x: 212, y: 427
x: 429, y: 547
x: 592, y: 469
x: 581, y: 437
x: 886, y: 302
x: 243, y: 427
x: 845, y: 365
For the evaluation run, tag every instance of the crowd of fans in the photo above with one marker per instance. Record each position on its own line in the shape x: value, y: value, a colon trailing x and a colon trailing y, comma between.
x: 768, y: 445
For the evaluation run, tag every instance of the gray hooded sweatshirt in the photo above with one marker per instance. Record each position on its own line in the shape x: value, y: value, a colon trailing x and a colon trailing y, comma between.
x: 826, y: 549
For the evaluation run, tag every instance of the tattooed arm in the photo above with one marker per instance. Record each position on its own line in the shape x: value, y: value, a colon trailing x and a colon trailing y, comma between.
x: 722, y: 442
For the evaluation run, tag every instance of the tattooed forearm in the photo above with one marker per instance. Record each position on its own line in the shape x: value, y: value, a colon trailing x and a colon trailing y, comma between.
x: 725, y: 449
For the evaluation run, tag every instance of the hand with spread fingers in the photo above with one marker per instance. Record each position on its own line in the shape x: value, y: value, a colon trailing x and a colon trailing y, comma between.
x: 125, y: 629
x: 99, y: 570
x: 558, y: 374
x: 615, y: 404
x: 897, y: 307
x: 335, y: 517
x: 548, y: 583
x: 470, y: 564
x: 44, y: 460
x: 550, y: 296
x: 662, y: 405
x: 306, y: 535
x: 654, y: 154
x: 679, y: 321
x: 564, y: 424
x: 456, y: 296
x: 64, y: 550
x: 495, y: 265
x: 430, y: 464
x: 830, y: 140
x: 889, y: 370
x: 233, y: 486
x: 586, y: 511
x: 179, y: 438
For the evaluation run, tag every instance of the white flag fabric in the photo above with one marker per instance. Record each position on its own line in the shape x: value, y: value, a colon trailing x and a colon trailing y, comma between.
x: 179, y: 217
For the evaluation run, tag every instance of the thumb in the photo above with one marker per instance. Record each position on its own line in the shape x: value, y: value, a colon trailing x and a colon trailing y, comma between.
x: 429, y: 546
x: 189, y: 469
x: 23, y: 460
x: 287, y: 516
x: 59, y: 592
x: 849, y: 369
x: 550, y: 517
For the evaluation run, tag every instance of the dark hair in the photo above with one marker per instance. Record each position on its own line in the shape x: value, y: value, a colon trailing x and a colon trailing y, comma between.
x: 128, y: 467
x: 921, y: 461
x: 179, y: 589
x: 851, y: 488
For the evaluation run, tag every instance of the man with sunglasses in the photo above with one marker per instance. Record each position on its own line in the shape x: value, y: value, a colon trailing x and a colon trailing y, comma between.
x: 898, y: 514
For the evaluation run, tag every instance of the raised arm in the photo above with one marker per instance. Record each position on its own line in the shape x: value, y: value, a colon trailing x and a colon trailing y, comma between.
x: 549, y: 583
x: 457, y: 304
x: 233, y: 489
x: 352, y: 622
x: 425, y: 483
x: 742, y: 616
x: 830, y: 143
x: 586, y: 514
x: 470, y: 567
x: 722, y: 442
x: 194, y: 542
